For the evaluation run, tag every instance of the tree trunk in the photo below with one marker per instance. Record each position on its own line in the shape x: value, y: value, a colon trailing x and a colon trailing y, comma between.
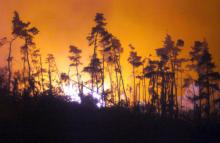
x: 117, y: 84
x: 122, y: 80
x: 208, y: 92
x: 50, y: 80
x: 103, y: 77
x: 42, y: 77
x: 134, y: 90
x: 181, y: 90
x: 10, y: 65
x: 29, y: 72
x: 111, y: 82
x: 78, y: 79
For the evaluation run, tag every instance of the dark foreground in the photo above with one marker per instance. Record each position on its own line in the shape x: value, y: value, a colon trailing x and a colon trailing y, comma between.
x: 53, y: 120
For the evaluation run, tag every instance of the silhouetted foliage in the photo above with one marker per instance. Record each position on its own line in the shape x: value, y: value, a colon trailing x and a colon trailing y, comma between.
x: 34, y: 106
x: 94, y: 69
x: 208, y: 79
x: 52, y: 73
x: 55, y: 119
x: 136, y: 62
x: 112, y: 52
x: 95, y: 39
x: 75, y: 62
x: 24, y: 31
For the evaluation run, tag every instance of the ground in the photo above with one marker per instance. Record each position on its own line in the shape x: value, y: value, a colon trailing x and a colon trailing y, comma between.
x: 54, y: 120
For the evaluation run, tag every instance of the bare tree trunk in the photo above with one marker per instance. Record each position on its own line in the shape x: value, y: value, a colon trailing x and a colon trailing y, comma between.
x: 103, y: 77
x: 50, y: 79
x: 97, y: 83
x: 94, y: 56
x: 143, y: 85
x: 78, y: 79
x: 42, y: 76
x: 163, y: 96
x: 118, y: 68
x: 157, y: 92
x: 200, y: 103
x: 122, y: 80
x: 208, y: 93
x: 134, y: 90
x: 194, y: 101
x: 181, y: 91
x: 139, y: 93
x: 111, y: 82
x: 29, y: 71
x: 24, y: 72
x: 117, y: 84
x: 10, y: 65
x: 153, y: 95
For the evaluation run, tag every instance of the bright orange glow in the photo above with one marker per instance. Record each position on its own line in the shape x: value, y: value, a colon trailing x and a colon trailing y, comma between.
x: 144, y: 23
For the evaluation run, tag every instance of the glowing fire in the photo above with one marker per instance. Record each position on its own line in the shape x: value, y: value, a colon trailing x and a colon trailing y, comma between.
x: 72, y: 91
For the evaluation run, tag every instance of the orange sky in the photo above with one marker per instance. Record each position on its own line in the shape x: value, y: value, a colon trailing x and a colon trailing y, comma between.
x: 144, y: 23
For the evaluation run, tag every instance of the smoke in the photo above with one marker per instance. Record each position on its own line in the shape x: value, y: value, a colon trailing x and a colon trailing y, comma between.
x: 187, y: 99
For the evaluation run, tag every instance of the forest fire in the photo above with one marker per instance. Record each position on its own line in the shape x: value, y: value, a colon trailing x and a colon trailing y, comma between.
x: 159, y: 76
x: 72, y: 91
x: 109, y: 71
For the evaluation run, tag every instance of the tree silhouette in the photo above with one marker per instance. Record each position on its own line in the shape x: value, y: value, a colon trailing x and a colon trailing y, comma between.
x: 16, y: 82
x: 136, y: 62
x: 17, y: 26
x: 189, y: 82
x: 164, y: 73
x: 24, y: 31
x: 112, y: 53
x: 168, y: 68
x: 195, y: 55
x: 35, y: 57
x: 151, y: 71
x: 52, y: 69
x: 208, y: 78
x: 75, y: 62
x: 3, y: 84
x: 94, y: 69
x: 95, y: 38
x: 38, y: 70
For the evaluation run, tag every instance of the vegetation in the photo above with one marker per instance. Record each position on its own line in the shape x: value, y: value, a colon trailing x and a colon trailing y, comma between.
x: 33, y: 96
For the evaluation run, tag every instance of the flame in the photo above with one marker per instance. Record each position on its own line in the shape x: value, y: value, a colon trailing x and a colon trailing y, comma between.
x: 70, y: 89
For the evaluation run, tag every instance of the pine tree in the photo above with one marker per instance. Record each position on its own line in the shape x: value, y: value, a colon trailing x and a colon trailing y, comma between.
x: 94, y: 69
x: 36, y: 70
x: 168, y: 72
x: 75, y: 62
x: 151, y: 72
x: 95, y: 38
x: 136, y: 62
x: 112, y: 53
x: 208, y: 78
x: 24, y: 31
x: 52, y: 69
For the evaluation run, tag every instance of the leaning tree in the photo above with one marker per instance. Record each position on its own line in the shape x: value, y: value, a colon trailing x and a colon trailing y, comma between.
x: 207, y: 77
x: 75, y: 62
x: 95, y: 39
x: 136, y: 62
x: 112, y: 52
x: 24, y: 31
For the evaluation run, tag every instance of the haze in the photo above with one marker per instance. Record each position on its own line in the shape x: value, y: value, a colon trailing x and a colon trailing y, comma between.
x: 144, y: 23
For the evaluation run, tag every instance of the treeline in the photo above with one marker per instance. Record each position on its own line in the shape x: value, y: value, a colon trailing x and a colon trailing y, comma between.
x: 157, y: 82
x: 53, y: 119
